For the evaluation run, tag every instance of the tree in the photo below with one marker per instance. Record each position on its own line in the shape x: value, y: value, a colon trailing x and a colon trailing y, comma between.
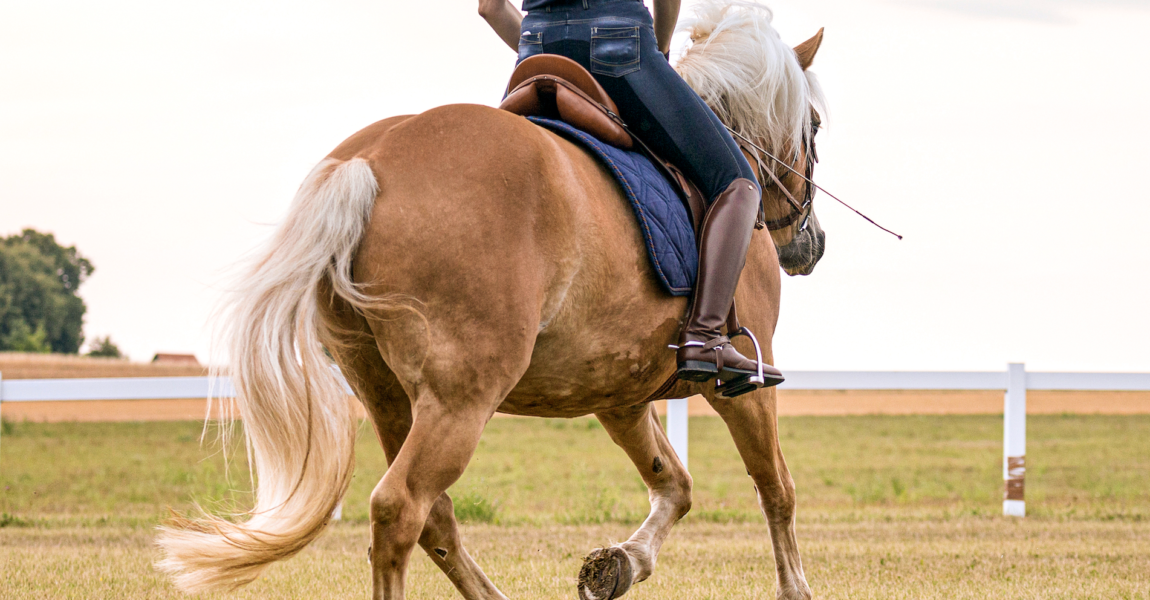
x: 40, y: 310
x: 105, y: 348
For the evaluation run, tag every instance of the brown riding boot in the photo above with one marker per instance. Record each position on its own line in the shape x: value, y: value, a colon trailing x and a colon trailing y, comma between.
x: 704, y: 352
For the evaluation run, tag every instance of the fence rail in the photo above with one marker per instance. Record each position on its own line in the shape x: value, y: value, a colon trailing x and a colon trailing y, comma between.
x: 114, y: 388
x: 1015, y: 381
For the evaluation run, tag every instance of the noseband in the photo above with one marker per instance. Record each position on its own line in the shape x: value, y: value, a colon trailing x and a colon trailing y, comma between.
x: 768, y: 177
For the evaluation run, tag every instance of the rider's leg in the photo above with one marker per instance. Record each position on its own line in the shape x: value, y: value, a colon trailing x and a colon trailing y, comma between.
x: 703, y: 351
x: 675, y: 122
x: 670, y: 118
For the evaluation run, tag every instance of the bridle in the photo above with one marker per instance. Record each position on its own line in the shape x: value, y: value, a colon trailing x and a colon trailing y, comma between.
x: 798, y: 210
x: 767, y: 176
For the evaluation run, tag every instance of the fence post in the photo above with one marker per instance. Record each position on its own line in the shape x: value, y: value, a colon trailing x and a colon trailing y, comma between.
x: 1014, y: 441
x: 677, y: 427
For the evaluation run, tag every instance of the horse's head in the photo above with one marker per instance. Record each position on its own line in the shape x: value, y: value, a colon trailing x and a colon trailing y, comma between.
x: 802, y: 242
x: 761, y: 89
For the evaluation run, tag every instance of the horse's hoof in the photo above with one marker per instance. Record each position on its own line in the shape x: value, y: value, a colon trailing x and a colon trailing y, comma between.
x: 606, y: 574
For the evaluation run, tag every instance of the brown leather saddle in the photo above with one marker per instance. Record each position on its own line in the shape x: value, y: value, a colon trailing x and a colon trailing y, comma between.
x: 556, y: 87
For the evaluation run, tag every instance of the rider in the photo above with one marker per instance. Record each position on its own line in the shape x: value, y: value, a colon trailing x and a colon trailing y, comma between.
x: 626, y: 51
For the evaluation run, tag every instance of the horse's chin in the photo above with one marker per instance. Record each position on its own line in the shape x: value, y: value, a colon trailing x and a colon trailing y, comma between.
x: 804, y: 252
x: 805, y: 270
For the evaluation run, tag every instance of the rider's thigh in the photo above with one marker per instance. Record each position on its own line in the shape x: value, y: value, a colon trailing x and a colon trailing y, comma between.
x: 671, y: 118
x: 663, y: 110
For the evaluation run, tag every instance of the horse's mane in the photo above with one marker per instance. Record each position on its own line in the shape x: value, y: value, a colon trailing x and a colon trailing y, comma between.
x: 745, y: 72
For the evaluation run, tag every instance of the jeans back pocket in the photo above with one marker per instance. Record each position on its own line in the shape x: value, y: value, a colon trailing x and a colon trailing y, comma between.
x: 614, y: 50
x: 530, y: 44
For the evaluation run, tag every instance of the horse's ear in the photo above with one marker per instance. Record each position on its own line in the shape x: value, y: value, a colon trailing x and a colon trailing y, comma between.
x: 806, y: 50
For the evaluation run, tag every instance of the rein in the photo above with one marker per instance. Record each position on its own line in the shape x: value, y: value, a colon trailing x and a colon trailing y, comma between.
x: 808, y: 193
x: 798, y: 209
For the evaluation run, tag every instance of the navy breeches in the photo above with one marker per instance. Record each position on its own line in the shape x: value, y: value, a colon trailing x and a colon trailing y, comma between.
x: 615, y: 40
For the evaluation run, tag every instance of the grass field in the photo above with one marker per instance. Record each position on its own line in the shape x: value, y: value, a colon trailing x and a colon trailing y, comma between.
x: 890, y: 507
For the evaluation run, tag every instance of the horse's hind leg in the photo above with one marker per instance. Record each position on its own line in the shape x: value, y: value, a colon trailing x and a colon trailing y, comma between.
x: 389, y: 409
x: 754, y: 427
x: 455, y: 385
x: 437, y: 449
x: 610, y: 572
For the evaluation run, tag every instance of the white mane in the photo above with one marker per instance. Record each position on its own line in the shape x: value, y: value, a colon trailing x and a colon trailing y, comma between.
x: 752, y: 80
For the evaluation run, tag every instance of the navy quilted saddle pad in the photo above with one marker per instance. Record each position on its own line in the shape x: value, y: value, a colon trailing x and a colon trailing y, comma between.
x: 662, y: 217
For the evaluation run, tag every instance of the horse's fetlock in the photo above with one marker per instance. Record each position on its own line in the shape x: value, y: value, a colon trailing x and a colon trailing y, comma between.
x: 641, y: 559
x: 795, y: 590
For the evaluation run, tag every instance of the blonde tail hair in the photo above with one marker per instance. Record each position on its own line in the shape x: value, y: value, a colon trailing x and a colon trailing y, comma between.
x: 299, y: 425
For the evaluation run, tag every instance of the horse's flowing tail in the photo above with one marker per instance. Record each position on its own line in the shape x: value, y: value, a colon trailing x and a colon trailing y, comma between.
x: 299, y: 425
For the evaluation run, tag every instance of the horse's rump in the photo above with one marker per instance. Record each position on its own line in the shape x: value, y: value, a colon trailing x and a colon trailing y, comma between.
x: 495, y: 227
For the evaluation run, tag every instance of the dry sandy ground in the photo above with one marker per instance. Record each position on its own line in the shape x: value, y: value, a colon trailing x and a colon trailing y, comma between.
x: 791, y: 402
x: 964, y: 558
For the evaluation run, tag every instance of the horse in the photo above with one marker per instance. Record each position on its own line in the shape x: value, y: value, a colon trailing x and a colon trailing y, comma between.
x: 463, y: 262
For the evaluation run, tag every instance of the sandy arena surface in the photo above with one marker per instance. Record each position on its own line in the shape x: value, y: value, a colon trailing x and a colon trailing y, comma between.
x: 791, y: 402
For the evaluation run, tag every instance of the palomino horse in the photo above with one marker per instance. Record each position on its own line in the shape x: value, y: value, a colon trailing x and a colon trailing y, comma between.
x: 464, y: 262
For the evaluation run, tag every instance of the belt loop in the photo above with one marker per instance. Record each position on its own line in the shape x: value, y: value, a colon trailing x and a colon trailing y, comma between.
x: 585, y: 7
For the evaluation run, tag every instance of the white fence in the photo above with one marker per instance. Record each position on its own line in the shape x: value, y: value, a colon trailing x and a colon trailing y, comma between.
x: 1015, y: 381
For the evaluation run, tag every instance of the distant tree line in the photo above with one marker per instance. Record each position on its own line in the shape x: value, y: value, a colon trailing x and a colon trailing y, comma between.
x: 40, y: 308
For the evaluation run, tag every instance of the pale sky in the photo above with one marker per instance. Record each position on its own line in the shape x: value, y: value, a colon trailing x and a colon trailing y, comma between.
x: 1006, y: 139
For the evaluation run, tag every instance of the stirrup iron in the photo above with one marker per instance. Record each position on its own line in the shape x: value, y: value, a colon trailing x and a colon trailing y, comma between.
x: 746, y: 384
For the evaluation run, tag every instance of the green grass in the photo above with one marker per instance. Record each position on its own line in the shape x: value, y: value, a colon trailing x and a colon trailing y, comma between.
x: 889, y: 507
x: 540, y: 472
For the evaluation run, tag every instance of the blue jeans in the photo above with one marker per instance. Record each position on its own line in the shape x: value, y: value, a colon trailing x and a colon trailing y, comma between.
x: 615, y: 40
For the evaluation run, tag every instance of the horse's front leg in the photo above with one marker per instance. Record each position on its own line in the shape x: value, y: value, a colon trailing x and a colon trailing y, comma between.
x: 610, y: 572
x: 753, y: 424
